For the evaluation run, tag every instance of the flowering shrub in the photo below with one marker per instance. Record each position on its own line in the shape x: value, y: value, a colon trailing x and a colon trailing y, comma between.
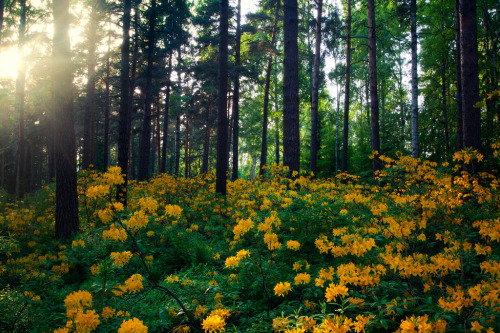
x: 418, y: 252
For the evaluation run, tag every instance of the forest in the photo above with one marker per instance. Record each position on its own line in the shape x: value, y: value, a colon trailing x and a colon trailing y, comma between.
x: 249, y: 166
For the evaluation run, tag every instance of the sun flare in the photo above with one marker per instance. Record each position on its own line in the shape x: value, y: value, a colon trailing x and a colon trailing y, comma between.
x: 9, y: 63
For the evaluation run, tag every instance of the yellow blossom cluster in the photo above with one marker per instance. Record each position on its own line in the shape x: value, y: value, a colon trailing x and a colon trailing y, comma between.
x: 213, y: 324
x: 133, y: 325
x: 120, y: 259
x: 119, y: 235
x: 282, y: 288
x: 241, y: 228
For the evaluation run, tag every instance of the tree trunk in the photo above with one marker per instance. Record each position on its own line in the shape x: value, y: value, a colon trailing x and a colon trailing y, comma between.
x: 236, y: 94
x: 458, y: 69
x: 145, y: 142
x: 107, y: 108
x: 372, y: 55
x: 125, y: 110
x: 291, y: 134
x: 66, y: 216
x: 263, y: 150
x: 221, y: 168
x: 445, y: 112
x: 178, y: 117
x: 315, y: 92
x: 345, y: 132
x: 470, y: 79
x: 206, y: 143
x: 186, y: 151
x: 20, y: 87
x: 89, y: 118
x: 414, y: 80
x: 163, y: 166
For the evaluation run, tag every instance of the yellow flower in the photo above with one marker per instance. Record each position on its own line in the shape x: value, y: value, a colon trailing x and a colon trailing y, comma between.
x: 133, y: 325
x: 78, y: 243
x: 121, y: 259
x: 108, y: 312
x: 302, y: 278
x: 138, y: 220
x: 232, y: 262
x: 334, y: 290
x: 242, y: 254
x: 292, y: 245
x: 78, y: 300
x: 115, y: 234
x: 282, y: 288
x: 213, y: 324
x: 271, y: 239
x: 86, y: 322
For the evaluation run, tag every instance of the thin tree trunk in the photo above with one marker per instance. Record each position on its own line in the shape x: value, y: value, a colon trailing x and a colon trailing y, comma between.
x: 135, y: 56
x: 163, y: 166
x: 337, y: 132
x: 66, y: 217
x: 263, y: 150
x: 315, y: 93
x: 89, y: 118
x: 372, y: 54
x: 445, y: 112
x: 125, y: 109
x: 291, y: 133
x: 206, y: 143
x: 470, y: 79
x: 145, y: 142
x: 178, y: 116
x: 221, y: 168
x: 236, y: 94
x: 458, y: 69
x: 186, y: 151
x: 20, y: 91
x: 107, y: 108
x: 414, y: 80
x: 345, y: 132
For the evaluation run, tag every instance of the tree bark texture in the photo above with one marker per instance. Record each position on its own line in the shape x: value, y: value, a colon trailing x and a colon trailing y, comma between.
x: 458, y: 69
x: 372, y: 59
x: 236, y: 94
x: 315, y: 93
x: 163, y: 166
x: 414, y: 80
x: 222, y: 137
x: 145, y: 142
x: 291, y: 134
x: 107, y: 108
x: 263, y: 150
x: 125, y: 109
x: 206, y: 143
x: 345, y: 132
x: 66, y: 217
x: 470, y: 78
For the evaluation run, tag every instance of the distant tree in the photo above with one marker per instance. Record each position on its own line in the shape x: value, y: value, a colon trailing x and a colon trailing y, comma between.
x: 65, y: 151
x: 291, y: 134
x: 20, y: 94
x: 222, y: 136
x: 125, y: 111
x: 315, y: 92
x: 2, y: 5
x: 414, y: 79
x: 458, y: 70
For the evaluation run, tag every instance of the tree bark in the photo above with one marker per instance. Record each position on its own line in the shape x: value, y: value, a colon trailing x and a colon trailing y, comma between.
x: 345, y: 132
x: 291, y: 134
x: 458, y: 70
x: 414, y: 80
x: 236, y: 94
x: 89, y: 118
x: 221, y: 168
x: 107, y: 108
x: 145, y: 142
x: 372, y: 55
x: 125, y: 110
x: 163, y: 166
x: 20, y: 91
x: 315, y: 93
x: 206, y: 143
x: 470, y: 79
x: 263, y: 150
x: 66, y: 217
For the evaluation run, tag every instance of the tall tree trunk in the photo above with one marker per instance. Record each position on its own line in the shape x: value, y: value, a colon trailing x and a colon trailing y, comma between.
x: 236, y: 94
x: 145, y: 142
x: 345, y: 132
x: 315, y: 93
x: 107, y: 108
x: 470, y: 79
x: 221, y: 168
x: 89, y: 118
x: 458, y: 69
x: 291, y: 134
x: 125, y: 110
x: 135, y: 56
x: 445, y: 112
x: 186, y: 150
x: 263, y: 150
x: 178, y: 116
x: 372, y: 55
x: 66, y: 216
x: 163, y: 166
x: 277, y: 141
x: 20, y: 87
x: 414, y: 80
x: 206, y: 143
x: 337, y: 132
